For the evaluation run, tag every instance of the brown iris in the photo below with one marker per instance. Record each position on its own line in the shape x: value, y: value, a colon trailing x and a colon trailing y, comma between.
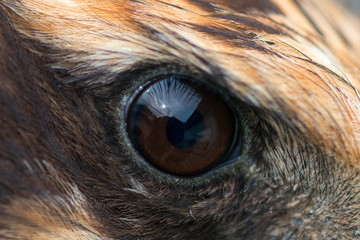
x: 181, y: 127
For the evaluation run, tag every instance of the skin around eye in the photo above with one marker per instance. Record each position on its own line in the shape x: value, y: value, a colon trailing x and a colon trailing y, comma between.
x: 181, y: 127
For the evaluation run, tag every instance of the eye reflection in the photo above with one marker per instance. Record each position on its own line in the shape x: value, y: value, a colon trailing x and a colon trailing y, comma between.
x: 181, y: 127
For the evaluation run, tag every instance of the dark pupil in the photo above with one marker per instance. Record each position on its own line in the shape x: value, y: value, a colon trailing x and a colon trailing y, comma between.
x: 185, y: 134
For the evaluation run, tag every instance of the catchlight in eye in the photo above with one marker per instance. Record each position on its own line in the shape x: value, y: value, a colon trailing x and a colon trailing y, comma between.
x: 182, y: 127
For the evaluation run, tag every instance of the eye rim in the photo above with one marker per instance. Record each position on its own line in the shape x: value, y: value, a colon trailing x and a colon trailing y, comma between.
x: 241, y: 164
x: 210, y: 96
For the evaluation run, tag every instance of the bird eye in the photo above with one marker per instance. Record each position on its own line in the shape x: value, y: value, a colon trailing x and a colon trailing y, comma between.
x: 182, y: 127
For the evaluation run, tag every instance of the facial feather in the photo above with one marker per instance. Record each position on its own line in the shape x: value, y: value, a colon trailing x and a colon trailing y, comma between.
x: 294, y: 63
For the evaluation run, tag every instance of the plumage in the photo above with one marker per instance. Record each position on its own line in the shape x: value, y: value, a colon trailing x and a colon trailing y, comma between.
x: 67, y: 167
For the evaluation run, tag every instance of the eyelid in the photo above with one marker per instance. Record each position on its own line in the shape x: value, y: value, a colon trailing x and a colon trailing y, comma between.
x: 236, y: 165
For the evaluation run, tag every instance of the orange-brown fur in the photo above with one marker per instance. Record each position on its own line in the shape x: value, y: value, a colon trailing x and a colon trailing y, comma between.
x: 293, y: 64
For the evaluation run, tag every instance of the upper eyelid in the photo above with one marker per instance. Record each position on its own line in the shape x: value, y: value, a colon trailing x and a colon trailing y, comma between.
x: 345, y: 101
